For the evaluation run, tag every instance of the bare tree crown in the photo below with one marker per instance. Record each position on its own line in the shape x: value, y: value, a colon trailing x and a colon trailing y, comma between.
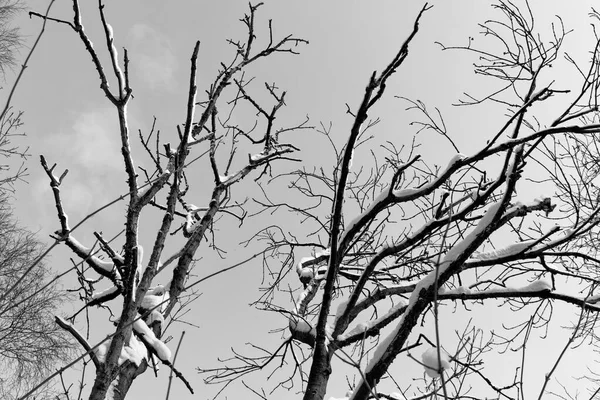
x: 427, y: 237
x: 396, y: 244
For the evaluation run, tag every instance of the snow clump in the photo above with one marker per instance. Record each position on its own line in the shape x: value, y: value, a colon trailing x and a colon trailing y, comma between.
x: 431, y: 363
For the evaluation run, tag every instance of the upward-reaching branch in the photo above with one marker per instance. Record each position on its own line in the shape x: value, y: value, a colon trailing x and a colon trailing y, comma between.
x: 320, y: 369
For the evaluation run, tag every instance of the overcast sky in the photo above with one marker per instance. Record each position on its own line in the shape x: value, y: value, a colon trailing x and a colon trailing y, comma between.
x: 68, y: 119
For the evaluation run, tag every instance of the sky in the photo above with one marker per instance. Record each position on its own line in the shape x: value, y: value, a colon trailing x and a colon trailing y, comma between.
x: 69, y: 121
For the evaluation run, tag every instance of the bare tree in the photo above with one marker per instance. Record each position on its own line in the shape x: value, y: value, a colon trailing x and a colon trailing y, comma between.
x: 30, y: 342
x: 401, y: 244
x: 10, y: 39
x: 232, y: 153
x: 10, y: 121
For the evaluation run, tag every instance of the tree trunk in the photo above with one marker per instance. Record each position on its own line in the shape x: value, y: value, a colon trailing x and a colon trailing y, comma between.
x: 126, y: 377
x: 117, y: 388
x: 319, y: 374
x: 101, y: 385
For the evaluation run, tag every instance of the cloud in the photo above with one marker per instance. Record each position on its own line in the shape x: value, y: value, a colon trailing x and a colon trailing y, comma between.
x: 91, y: 150
x: 95, y: 140
x: 152, y: 58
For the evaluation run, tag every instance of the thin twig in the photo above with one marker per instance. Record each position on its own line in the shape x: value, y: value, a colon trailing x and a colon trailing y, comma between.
x: 24, y: 65
x: 174, y: 359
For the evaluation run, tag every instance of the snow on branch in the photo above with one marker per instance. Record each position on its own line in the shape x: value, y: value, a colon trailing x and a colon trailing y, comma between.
x: 102, y: 267
x: 299, y: 327
x: 104, y: 295
x: 425, y: 285
x: 148, y: 337
x: 133, y: 351
x: 402, y: 195
x: 507, y: 251
x: 313, y: 267
x: 157, y: 347
x: 540, y: 288
x: 433, y: 364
